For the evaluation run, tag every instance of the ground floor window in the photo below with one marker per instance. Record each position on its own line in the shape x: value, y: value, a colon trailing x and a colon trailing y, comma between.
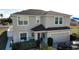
x: 23, y: 36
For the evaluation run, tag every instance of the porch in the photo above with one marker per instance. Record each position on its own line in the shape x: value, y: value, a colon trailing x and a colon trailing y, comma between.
x: 42, y: 36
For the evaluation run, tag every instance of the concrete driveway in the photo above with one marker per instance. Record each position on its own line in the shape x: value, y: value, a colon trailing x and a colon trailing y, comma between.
x: 8, y: 47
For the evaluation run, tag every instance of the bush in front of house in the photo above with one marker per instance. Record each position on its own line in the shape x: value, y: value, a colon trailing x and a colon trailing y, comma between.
x: 43, y: 46
x: 73, y: 36
x: 15, y: 46
x: 28, y: 45
x: 24, y: 45
x: 38, y: 43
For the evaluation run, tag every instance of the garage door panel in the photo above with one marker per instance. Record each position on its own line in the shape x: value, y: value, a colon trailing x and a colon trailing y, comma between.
x: 60, y: 37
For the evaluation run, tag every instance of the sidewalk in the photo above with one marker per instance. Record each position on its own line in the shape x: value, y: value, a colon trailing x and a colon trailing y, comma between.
x: 8, y: 46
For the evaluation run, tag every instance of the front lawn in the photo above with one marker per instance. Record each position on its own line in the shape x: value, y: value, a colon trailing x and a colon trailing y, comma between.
x: 75, y: 29
x: 3, y: 38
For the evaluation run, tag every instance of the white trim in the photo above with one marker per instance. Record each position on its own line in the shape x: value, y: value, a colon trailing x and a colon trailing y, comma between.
x: 52, y: 31
x: 23, y: 21
x: 26, y: 36
x: 61, y: 32
x: 35, y: 36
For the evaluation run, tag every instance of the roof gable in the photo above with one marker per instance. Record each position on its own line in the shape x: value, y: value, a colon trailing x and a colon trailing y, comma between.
x: 42, y: 28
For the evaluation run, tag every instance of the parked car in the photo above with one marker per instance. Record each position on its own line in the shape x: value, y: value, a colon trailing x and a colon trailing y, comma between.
x: 63, y: 46
x: 75, y: 45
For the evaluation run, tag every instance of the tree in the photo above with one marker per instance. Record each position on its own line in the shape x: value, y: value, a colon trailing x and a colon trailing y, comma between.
x: 1, y: 15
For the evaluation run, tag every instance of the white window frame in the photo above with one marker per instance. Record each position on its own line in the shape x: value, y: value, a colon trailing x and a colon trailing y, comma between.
x: 62, y: 19
x: 23, y: 21
x: 38, y: 19
x: 55, y: 19
x: 26, y: 36
x: 58, y: 20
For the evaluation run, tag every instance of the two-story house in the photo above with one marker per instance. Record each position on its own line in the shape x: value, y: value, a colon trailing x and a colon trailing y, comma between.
x: 39, y: 24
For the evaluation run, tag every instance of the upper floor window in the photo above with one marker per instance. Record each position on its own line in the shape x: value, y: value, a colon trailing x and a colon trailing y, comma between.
x: 58, y: 20
x: 22, y: 22
x: 25, y: 22
x: 37, y: 19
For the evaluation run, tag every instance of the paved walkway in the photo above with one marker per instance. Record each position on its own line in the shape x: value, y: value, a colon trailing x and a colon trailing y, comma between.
x: 8, y: 46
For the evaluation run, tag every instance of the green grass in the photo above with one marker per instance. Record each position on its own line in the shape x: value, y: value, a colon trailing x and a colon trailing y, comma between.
x: 75, y: 29
x: 3, y: 39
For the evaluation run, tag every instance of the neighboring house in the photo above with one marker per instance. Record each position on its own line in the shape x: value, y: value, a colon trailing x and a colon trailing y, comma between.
x: 74, y: 22
x: 36, y: 24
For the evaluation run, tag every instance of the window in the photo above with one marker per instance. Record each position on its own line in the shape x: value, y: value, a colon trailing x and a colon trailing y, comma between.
x: 22, y: 22
x: 60, y: 21
x: 56, y: 20
x: 37, y: 19
x: 23, y: 36
x: 25, y: 22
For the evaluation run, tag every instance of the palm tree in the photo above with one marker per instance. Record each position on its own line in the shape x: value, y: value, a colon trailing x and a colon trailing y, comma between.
x: 1, y: 15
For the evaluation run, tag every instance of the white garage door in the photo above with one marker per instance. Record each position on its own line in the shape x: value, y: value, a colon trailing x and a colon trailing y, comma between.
x: 61, y: 37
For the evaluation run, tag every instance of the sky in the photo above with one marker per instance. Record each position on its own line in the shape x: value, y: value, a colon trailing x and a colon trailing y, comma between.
x: 6, y: 12
x: 64, y: 6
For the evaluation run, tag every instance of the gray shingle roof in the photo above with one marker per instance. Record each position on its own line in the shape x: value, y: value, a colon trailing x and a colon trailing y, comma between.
x: 31, y: 12
x: 39, y: 12
x: 54, y: 13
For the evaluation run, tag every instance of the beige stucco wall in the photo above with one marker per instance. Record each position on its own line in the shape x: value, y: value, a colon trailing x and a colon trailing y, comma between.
x: 17, y: 29
x: 50, y: 21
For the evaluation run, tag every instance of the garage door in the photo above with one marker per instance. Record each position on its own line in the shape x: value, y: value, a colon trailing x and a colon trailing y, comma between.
x: 61, y: 37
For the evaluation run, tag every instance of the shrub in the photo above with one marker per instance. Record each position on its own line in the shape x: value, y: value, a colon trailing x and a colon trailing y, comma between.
x: 37, y: 43
x: 15, y: 46
x: 43, y: 46
x: 24, y: 45
x: 28, y: 45
x: 73, y: 37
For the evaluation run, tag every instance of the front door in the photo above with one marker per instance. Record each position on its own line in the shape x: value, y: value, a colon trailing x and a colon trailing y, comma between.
x: 50, y: 42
